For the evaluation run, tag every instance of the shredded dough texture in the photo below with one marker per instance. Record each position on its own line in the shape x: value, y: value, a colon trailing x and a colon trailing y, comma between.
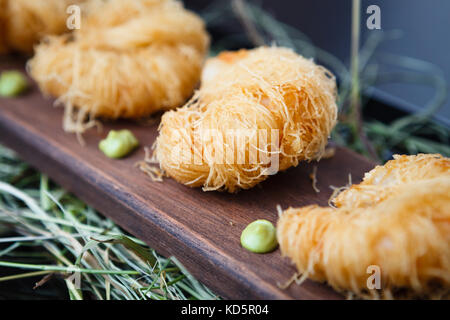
x: 244, y: 93
x: 24, y: 22
x: 398, y: 219
x: 128, y: 60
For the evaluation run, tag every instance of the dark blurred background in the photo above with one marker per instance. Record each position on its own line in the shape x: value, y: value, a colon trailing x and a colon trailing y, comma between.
x: 412, y: 29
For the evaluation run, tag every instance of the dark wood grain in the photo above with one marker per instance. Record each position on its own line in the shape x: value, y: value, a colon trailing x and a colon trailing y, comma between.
x: 201, y: 229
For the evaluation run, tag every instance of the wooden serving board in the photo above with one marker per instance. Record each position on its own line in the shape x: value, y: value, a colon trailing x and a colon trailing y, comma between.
x: 202, y: 229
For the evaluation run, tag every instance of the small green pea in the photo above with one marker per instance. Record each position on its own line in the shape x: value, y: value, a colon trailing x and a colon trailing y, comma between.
x: 259, y: 237
x: 12, y: 83
x: 118, y: 143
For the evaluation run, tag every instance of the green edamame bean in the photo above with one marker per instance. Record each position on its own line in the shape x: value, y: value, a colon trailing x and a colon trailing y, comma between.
x: 12, y: 83
x: 260, y: 236
x: 118, y: 143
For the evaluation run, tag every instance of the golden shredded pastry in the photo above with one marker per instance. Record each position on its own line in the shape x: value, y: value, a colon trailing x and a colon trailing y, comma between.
x: 269, y: 102
x: 128, y: 60
x: 383, y: 181
x: 397, y: 219
x: 313, y: 177
x: 329, y: 153
x: 24, y: 22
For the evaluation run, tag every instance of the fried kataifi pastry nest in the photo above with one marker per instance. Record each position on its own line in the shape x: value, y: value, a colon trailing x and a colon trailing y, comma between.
x: 397, y: 219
